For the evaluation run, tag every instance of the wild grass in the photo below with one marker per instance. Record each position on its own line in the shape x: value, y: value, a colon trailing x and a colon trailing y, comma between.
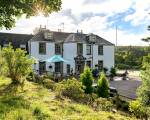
x: 38, y: 103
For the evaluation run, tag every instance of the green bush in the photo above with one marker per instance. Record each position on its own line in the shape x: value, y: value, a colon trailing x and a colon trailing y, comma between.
x: 49, y: 84
x: 17, y: 64
x: 70, y: 88
x: 87, y: 80
x: 136, y: 108
x: 103, y: 104
x: 113, y: 72
x: 103, y: 86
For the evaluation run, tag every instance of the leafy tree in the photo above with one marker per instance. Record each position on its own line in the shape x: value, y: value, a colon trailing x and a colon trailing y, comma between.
x: 17, y: 64
x: 87, y: 80
x: 144, y: 90
x: 103, y: 86
x: 146, y: 61
x: 10, y: 9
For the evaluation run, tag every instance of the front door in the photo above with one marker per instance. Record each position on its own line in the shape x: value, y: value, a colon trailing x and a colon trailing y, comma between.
x: 79, y: 64
x: 42, y: 67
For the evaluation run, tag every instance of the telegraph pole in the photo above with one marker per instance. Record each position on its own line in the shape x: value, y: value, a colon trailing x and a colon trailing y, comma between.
x: 116, y: 36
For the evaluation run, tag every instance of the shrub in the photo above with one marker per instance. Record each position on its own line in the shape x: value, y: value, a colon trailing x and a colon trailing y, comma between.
x: 103, y: 104
x: 49, y: 84
x: 70, y: 88
x: 17, y: 64
x: 113, y: 72
x: 87, y: 80
x: 103, y: 86
x: 105, y: 70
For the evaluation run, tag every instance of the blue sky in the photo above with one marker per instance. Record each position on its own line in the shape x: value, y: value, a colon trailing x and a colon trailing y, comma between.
x: 98, y: 17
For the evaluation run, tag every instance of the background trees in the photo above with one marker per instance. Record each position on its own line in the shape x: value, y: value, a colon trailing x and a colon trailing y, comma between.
x: 130, y: 57
x: 12, y: 9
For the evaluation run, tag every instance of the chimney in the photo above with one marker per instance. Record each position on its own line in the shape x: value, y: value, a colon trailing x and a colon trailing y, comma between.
x: 77, y: 31
x: 81, y: 31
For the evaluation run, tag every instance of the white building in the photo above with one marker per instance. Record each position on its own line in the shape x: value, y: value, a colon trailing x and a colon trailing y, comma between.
x: 77, y: 48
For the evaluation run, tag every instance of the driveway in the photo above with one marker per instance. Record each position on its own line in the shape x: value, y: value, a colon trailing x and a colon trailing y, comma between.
x: 126, y: 88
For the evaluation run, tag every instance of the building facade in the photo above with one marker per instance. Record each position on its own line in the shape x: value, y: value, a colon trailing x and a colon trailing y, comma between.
x: 77, y: 48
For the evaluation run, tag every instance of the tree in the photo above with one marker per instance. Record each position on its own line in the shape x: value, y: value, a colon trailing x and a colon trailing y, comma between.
x: 87, y: 80
x: 146, y: 61
x: 17, y: 64
x: 10, y: 9
x: 103, y: 86
x: 143, y: 91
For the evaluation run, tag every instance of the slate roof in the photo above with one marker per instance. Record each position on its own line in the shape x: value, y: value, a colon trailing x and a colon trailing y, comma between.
x: 69, y: 37
x: 15, y: 39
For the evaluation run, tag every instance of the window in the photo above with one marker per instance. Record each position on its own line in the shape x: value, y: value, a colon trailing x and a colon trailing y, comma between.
x: 100, y: 50
x: 88, y: 63
x: 88, y: 49
x: 68, y: 69
x: 79, y: 48
x: 42, y: 67
x: 57, y: 66
x: 23, y: 46
x: 42, y: 48
x: 100, y: 65
x: 5, y: 45
x: 58, y: 49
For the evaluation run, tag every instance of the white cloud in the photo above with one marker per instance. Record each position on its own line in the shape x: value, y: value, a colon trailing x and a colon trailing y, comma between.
x: 140, y: 16
x: 97, y: 24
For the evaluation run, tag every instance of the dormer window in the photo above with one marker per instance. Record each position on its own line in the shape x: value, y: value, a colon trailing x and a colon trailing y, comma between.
x: 92, y: 38
x: 48, y: 35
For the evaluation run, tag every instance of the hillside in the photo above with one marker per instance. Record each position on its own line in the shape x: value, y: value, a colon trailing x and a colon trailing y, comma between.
x: 38, y: 103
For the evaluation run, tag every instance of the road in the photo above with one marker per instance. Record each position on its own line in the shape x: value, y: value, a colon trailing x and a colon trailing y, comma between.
x: 126, y: 88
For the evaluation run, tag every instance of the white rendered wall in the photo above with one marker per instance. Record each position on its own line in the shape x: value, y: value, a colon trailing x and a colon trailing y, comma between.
x: 69, y: 53
x: 41, y: 57
x: 109, y: 56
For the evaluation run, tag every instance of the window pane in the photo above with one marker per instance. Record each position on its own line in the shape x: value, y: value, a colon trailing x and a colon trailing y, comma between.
x: 58, y: 48
x: 68, y: 68
x: 57, y: 67
x: 88, y: 49
x: 100, y: 50
x: 79, y: 48
x: 42, y: 48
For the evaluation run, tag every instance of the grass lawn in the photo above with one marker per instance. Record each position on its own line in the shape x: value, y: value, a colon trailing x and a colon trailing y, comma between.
x: 38, y: 103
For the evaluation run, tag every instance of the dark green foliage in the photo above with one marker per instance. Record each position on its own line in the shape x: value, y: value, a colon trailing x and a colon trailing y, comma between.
x: 103, y: 86
x: 87, y: 80
x: 10, y: 9
x: 136, y: 108
x: 146, y: 61
x: 130, y: 57
x: 70, y: 88
x: 144, y: 90
x: 113, y: 72
x: 105, y: 70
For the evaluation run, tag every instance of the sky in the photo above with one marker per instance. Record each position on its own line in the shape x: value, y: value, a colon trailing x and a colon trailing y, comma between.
x: 96, y: 16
